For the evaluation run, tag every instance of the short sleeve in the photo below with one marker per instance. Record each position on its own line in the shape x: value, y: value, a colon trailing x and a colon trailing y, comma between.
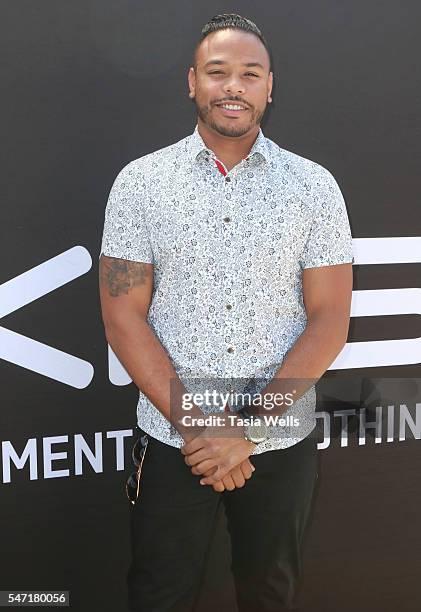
x: 125, y: 233
x: 329, y: 241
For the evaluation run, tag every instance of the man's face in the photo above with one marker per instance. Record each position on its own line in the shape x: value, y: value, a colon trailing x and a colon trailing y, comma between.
x: 223, y: 76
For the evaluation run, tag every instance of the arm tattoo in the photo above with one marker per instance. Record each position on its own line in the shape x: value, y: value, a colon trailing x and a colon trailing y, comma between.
x: 121, y: 275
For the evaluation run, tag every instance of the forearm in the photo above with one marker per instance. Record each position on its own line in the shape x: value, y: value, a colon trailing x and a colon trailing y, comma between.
x: 149, y: 366
x: 308, y: 359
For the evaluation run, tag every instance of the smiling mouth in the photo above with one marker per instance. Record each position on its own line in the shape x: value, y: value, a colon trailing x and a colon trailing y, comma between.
x: 232, y: 112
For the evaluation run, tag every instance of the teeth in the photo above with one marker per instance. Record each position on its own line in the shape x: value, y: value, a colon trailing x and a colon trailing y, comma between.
x: 232, y: 107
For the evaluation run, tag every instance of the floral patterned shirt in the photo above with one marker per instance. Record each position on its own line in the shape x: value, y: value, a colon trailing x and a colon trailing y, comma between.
x: 228, y: 249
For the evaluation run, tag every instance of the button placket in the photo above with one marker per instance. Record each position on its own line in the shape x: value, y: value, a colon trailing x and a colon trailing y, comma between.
x: 228, y: 227
x: 221, y: 296
x: 227, y: 217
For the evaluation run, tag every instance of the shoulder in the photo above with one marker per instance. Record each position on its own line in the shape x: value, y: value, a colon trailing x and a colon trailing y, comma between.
x: 305, y: 173
x: 158, y: 160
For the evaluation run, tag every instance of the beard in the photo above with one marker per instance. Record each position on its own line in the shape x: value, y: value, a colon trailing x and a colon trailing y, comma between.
x: 229, y: 128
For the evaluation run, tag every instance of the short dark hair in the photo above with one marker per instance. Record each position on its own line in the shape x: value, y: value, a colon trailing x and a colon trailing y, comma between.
x: 231, y: 20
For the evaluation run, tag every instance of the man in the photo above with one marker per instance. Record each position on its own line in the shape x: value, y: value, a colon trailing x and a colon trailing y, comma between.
x: 224, y: 259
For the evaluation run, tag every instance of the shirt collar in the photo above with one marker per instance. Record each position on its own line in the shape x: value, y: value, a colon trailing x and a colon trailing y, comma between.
x: 196, y: 146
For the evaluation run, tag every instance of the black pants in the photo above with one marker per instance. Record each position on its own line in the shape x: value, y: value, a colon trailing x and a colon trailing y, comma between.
x: 173, y: 519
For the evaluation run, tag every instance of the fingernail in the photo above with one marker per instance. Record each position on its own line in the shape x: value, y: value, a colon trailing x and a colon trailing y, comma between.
x: 253, y: 468
x: 202, y: 483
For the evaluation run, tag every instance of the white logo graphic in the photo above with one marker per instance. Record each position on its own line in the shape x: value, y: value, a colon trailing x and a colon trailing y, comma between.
x: 382, y: 302
x: 28, y: 287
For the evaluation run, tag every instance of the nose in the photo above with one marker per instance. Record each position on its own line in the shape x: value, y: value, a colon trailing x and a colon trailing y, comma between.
x: 234, y: 86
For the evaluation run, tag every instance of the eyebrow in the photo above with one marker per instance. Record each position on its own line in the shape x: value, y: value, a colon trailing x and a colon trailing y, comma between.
x: 249, y: 64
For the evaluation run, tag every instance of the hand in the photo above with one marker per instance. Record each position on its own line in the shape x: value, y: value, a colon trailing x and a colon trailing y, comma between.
x: 223, y: 453
x: 236, y: 478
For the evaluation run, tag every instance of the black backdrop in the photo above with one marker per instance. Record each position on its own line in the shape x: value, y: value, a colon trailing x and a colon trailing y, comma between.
x: 89, y: 86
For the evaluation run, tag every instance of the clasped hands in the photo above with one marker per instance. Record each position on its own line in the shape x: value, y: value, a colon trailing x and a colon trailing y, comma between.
x: 222, y: 461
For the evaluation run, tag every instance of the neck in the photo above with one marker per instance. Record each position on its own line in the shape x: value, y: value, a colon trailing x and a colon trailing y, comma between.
x: 229, y: 149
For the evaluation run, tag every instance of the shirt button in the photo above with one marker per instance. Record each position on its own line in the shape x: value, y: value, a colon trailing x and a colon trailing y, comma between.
x: 227, y: 179
x: 228, y: 306
x: 230, y: 349
x: 227, y: 219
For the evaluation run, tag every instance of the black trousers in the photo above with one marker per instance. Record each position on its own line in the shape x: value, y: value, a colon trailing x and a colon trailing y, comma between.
x: 173, y: 520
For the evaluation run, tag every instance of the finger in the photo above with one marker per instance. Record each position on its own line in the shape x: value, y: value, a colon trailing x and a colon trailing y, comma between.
x: 208, y: 472
x: 219, y: 486
x: 237, y: 476
x: 246, y: 469
x: 218, y: 475
x: 197, y: 456
x: 196, y: 472
x: 203, y: 466
x: 192, y: 446
x: 229, y: 482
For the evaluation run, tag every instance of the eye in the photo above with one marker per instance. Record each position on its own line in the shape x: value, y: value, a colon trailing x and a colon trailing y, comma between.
x: 220, y: 72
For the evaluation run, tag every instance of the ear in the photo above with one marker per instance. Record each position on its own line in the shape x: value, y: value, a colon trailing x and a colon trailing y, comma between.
x: 192, y: 82
x: 270, y: 85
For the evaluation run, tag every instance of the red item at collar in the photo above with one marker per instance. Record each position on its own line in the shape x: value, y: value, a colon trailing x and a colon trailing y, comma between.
x: 220, y: 165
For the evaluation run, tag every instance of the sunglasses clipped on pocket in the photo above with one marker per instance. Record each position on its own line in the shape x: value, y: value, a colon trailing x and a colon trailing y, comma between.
x: 138, y: 455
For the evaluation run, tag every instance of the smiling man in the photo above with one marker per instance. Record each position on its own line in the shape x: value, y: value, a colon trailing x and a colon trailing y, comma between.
x: 225, y: 261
